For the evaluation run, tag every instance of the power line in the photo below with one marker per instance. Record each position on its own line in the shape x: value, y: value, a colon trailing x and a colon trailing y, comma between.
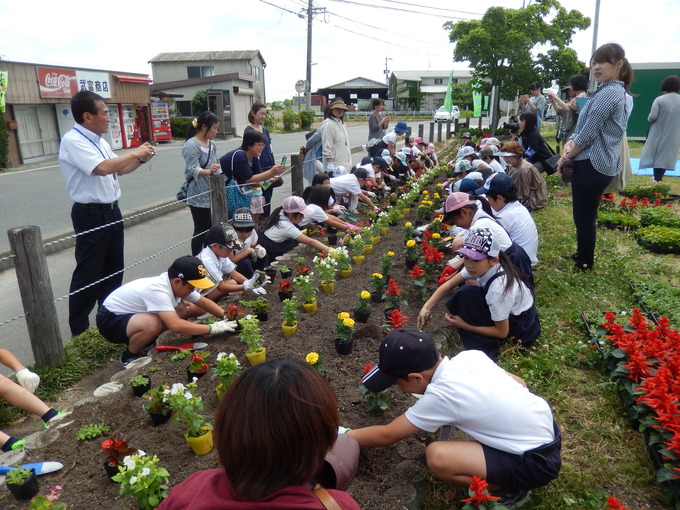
x: 350, y: 2
x: 410, y: 4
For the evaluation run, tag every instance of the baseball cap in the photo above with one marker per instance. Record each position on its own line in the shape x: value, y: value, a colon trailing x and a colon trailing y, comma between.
x: 499, y: 183
x: 479, y: 244
x: 488, y: 152
x: 380, y: 161
x: 366, y: 160
x: 457, y: 200
x: 468, y: 186
x: 401, y: 127
x: 466, y: 135
x: 476, y: 175
x: 402, y: 352
x: 243, y: 218
x: 418, y: 140
x: 296, y: 205
x: 191, y: 270
x: 466, y: 151
x: 224, y: 235
x: 462, y: 166
x: 401, y: 157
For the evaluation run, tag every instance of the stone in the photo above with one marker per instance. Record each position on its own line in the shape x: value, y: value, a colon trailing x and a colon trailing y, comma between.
x: 107, y: 389
x: 41, y: 439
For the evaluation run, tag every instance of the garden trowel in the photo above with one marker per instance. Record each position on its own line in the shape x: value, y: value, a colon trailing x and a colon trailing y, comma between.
x: 41, y: 468
x: 183, y: 347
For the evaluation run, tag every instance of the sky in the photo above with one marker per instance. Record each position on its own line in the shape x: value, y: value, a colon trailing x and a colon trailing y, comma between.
x: 351, y: 38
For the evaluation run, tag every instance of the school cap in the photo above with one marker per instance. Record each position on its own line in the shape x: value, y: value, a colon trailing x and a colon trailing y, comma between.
x: 457, y: 200
x: 191, y: 270
x: 468, y: 186
x: 479, y: 244
x: 243, y: 218
x: 418, y: 141
x: 384, y: 153
x: 430, y: 148
x: 296, y: 205
x: 476, y: 176
x: 401, y: 157
x: 462, y: 166
x: 488, y: 152
x: 402, y: 352
x: 224, y: 235
x: 498, y: 183
x: 466, y: 135
x: 401, y: 127
x: 366, y: 160
x: 380, y: 162
x: 467, y: 151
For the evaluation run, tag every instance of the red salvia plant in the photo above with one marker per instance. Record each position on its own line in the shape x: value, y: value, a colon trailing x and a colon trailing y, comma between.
x: 396, y: 320
x: 418, y: 282
x: 392, y: 295
x: 479, y: 494
x: 615, y: 504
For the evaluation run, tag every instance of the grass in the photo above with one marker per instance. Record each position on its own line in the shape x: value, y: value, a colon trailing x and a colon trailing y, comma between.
x: 602, y: 455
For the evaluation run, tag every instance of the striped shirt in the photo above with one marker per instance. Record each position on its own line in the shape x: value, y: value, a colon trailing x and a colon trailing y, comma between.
x: 600, y: 128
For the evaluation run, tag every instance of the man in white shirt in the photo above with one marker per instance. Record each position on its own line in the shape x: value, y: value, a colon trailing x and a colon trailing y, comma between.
x: 91, y: 170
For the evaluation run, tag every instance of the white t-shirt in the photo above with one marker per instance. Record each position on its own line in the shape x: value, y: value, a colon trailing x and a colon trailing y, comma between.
x: 146, y: 295
x: 344, y: 184
x: 520, y: 225
x: 391, y: 137
x: 318, y: 216
x: 483, y: 220
x: 285, y: 229
x: 217, y: 267
x: 477, y: 396
x: 496, y: 166
x: 249, y: 242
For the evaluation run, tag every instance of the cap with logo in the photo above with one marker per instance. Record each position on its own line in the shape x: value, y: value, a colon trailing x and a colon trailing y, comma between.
x: 191, y: 270
x: 224, y: 235
x: 457, y: 200
x: 498, y: 183
x: 479, y: 244
x: 243, y: 218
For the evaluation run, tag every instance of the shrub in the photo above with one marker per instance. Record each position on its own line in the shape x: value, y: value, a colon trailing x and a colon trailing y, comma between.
x: 289, y: 119
x: 270, y: 122
x: 306, y: 119
x: 180, y: 125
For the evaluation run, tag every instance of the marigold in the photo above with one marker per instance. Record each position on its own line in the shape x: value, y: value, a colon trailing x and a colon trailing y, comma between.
x: 408, y: 224
x: 410, y: 243
x: 312, y: 358
x: 390, y: 253
x: 365, y: 294
x: 343, y: 315
x: 348, y: 322
x: 377, y: 275
x: 435, y: 236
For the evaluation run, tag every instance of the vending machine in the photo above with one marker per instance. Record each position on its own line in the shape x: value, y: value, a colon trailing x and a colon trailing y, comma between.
x: 130, y: 129
x: 161, y: 131
x: 114, y: 135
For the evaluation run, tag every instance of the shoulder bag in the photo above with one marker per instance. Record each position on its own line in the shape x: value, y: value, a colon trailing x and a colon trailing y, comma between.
x: 237, y: 197
x: 326, y: 499
x: 184, y: 188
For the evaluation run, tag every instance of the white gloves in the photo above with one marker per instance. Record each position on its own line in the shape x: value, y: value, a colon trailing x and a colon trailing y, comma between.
x: 252, y: 284
x: 343, y: 430
x: 224, y: 326
x: 258, y: 291
x: 330, y: 168
x: 337, y: 208
x: 28, y: 379
x: 370, y: 194
x: 260, y: 251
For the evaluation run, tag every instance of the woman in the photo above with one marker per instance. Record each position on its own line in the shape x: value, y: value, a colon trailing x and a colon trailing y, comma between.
x: 280, y: 233
x: 317, y: 198
x: 336, y: 149
x: 273, y: 428
x: 535, y: 150
x: 663, y: 141
x: 568, y: 112
x: 531, y: 188
x: 595, y: 146
x: 256, y: 117
x: 244, y: 173
x: 200, y: 157
x: 377, y: 124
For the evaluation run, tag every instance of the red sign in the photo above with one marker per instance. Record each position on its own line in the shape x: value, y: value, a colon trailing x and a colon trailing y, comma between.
x: 60, y: 83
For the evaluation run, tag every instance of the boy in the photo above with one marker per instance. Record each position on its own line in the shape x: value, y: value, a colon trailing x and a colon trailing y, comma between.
x: 251, y: 256
x: 136, y: 313
x: 516, y: 442
x: 219, y: 245
x: 351, y: 185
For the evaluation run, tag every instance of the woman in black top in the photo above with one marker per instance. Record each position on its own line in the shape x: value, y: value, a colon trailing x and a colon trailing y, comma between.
x: 535, y: 150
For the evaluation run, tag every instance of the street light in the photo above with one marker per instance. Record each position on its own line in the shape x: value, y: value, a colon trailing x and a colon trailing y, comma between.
x: 300, y: 87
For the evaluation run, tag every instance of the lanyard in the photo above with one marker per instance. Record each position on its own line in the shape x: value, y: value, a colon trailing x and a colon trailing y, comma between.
x: 92, y: 142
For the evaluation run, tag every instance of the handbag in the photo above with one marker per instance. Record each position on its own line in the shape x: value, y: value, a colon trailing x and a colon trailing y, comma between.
x: 236, y: 196
x: 550, y: 164
x: 184, y: 188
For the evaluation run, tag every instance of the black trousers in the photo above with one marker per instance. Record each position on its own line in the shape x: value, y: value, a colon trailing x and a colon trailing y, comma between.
x: 202, y: 222
x: 98, y: 255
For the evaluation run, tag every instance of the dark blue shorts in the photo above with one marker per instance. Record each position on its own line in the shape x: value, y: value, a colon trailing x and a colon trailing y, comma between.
x: 532, y: 469
x: 113, y: 327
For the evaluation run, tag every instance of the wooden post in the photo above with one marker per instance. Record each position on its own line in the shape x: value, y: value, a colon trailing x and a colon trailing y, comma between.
x: 218, y: 199
x: 448, y: 129
x: 37, y: 297
x: 439, y: 131
x: 431, y: 137
x: 421, y: 130
x: 296, y: 179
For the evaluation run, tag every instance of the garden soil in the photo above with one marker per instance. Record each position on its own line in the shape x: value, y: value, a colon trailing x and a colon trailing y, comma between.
x: 388, y: 478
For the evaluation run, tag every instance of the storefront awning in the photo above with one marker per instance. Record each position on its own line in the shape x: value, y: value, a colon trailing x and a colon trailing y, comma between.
x: 132, y: 78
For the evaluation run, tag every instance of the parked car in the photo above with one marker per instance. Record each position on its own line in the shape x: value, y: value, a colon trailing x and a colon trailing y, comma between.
x: 549, y: 113
x: 442, y: 115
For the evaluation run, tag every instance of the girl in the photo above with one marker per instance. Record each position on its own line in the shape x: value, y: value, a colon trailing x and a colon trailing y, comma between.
x: 252, y: 256
x: 317, y: 198
x: 281, y: 234
x: 498, y: 307
x: 535, y: 150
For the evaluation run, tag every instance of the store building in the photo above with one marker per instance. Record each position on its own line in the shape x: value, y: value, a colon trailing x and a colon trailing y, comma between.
x: 38, y: 109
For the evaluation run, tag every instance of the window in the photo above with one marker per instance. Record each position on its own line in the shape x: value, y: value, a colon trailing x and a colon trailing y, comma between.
x: 184, y: 108
x: 200, y: 71
x: 439, y: 81
x: 257, y: 72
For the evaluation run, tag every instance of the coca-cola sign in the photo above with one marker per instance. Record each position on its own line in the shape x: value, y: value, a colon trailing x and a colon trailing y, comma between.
x: 59, y: 83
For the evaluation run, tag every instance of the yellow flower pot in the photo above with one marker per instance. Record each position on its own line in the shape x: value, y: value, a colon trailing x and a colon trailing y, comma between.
x: 328, y: 287
x: 375, y: 239
x: 288, y: 330
x: 202, y: 444
x: 358, y: 260
x: 257, y: 357
x: 368, y: 249
x: 346, y: 273
x: 218, y: 390
x: 384, y: 230
x: 309, y: 307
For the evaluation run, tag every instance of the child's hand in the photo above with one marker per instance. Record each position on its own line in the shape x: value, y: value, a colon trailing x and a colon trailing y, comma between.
x: 456, y: 321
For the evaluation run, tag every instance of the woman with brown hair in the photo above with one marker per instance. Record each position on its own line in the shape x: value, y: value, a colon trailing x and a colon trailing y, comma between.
x: 532, y: 191
x: 273, y: 429
x: 256, y: 117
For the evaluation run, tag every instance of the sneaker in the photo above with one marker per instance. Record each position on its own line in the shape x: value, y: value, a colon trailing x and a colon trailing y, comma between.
x: 18, y: 444
x: 146, y: 350
x: 125, y: 362
x: 514, y: 499
x: 58, y: 421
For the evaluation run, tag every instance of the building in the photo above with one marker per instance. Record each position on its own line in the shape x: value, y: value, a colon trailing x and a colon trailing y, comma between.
x: 422, y: 90
x: 356, y: 92
x: 234, y: 80
x: 38, y: 108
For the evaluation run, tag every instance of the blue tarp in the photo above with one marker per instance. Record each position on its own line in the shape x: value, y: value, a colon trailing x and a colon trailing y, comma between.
x: 635, y: 163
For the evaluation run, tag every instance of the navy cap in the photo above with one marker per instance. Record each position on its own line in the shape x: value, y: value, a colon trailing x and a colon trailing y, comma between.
x: 498, y: 183
x: 380, y: 162
x: 365, y: 160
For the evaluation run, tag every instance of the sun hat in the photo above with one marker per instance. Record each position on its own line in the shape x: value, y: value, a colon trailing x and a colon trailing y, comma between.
x: 401, y: 157
x: 418, y: 141
x: 479, y: 244
x: 476, y: 176
x: 430, y: 148
x: 384, y: 153
x: 243, y: 218
x: 466, y: 151
x: 498, y: 183
x: 191, y: 270
x: 338, y: 104
x: 401, y: 127
x: 224, y: 235
x: 402, y: 352
x: 293, y: 205
x: 456, y: 201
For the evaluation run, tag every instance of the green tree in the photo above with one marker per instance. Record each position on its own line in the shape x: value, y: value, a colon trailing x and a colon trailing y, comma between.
x: 287, y: 103
x: 199, y: 103
x: 414, y: 99
x: 510, y: 48
x: 461, y: 95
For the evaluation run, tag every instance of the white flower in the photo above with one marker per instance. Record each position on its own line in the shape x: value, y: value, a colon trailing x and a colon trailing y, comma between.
x: 188, y: 394
x: 145, y: 472
x: 177, y: 388
x: 221, y: 356
x: 194, y: 379
x: 141, y: 453
x: 133, y: 480
x: 129, y: 463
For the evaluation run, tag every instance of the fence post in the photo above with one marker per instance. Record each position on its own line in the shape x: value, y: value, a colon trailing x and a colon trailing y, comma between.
x: 296, y: 181
x: 439, y: 131
x: 421, y: 130
x: 218, y: 200
x: 431, y: 137
x: 448, y: 129
x: 37, y: 297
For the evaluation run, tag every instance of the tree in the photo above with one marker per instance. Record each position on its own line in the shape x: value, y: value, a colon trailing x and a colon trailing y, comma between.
x: 415, y: 98
x: 199, y: 103
x: 511, y: 48
x: 461, y: 95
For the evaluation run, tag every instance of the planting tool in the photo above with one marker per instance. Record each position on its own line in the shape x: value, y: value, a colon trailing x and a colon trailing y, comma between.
x: 183, y: 347
x: 41, y: 468
x: 349, y: 215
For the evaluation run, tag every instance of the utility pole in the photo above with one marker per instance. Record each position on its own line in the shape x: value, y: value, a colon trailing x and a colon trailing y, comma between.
x: 387, y: 72
x: 311, y: 11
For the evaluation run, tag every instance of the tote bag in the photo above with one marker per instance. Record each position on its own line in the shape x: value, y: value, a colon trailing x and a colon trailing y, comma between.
x: 236, y: 196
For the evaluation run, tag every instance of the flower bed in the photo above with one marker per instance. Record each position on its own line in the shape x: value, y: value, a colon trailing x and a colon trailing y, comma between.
x: 659, y: 239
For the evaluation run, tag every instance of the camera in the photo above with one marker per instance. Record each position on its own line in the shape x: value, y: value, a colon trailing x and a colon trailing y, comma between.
x: 512, y: 125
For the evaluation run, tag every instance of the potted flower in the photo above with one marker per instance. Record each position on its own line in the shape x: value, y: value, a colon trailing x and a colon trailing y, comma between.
x: 48, y: 501
x: 314, y: 359
x: 115, y: 448
x: 378, y: 284
x: 395, y: 320
x: 285, y: 290
x: 286, y: 272
x: 332, y: 236
x: 325, y: 267
x: 419, y: 282
x: 225, y: 368
x: 198, y: 366
x: 260, y: 307
x: 357, y: 247
x: 424, y: 212
x: 411, y: 253
x: 156, y: 405
x: 386, y: 260
x: 302, y: 267
x: 22, y: 483
x: 232, y: 312
x: 375, y: 401
x: 188, y: 408
x: 408, y: 231
x: 289, y: 314
x: 307, y: 291
x: 393, y: 297
x: 344, y: 327
x: 140, y: 384
x: 142, y: 477
x: 368, y: 241
x: 341, y: 257
x: 271, y: 272
x: 250, y: 335
x: 362, y: 309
